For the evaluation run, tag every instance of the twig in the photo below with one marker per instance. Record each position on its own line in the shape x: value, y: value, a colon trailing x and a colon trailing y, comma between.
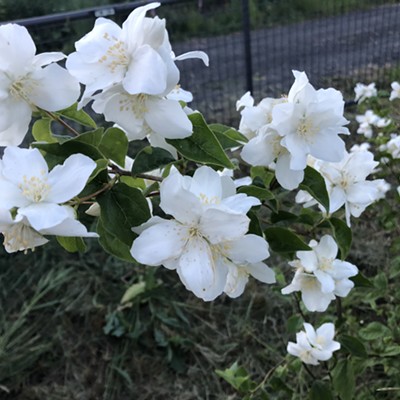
x: 105, y: 187
x: 119, y: 171
x: 55, y: 117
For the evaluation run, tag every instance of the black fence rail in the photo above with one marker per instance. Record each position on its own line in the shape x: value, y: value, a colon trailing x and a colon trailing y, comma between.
x: 254, y: 44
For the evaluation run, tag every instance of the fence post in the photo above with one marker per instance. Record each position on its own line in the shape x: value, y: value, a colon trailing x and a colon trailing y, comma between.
x: 247, y: 45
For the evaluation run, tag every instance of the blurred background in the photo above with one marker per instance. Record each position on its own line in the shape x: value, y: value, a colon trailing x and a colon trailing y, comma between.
x: 253, y: 44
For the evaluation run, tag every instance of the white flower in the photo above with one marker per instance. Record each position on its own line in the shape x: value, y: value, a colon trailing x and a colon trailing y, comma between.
x: 28, y: 82
x: 256, y: 117
x: 207, y: 213
x: 309, y: 123
x: 320, y: 276
x: 243, y: 257
x: 28, y: 187
x: 138, y: 56
x: 395, y: 93
x: 143, y: 115
x: 383, y: 122
x: 19, y: 235
x: 360, y: 147
x: 369, y: 118
x: 313, y: 346
x: 245, y: 181
x: 364, y: 92
x: 347, y: 184
x: 393, y: 146
x: 266, y: 147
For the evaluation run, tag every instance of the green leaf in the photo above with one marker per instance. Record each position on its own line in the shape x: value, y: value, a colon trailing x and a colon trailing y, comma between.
x: 320, y: 390
x: 361, y: 281
x: 202, y: 146
x: 374, y: 330
x: 114, y: 145
x: 256, y: 191
x: 236, y: 376
x: 72, y: 113
x: 391, y: 351
x: 343, y: 379
x: 283, y: 240
x: 353, y: 346
x: 112, y: 243
x: 343, y: 236
x: 314, y: 184
x: 101, y: 165
x: 263, y: 173
x: 72, y: 244
x: 133, y: 291
x: 151, y: 158
x: 64, y: 150
x: 254, y: 226
x: 41, y: 131
x: 294, y: 323
x: 283, y: 216
x: 227, y: 136
x: 122, y: 208
x: 91, y: 137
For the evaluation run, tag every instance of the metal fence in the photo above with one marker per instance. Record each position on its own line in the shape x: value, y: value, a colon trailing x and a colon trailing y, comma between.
x: 334, y: 44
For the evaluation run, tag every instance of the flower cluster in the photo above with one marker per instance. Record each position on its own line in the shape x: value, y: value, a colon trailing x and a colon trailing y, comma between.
x: 33, y: 199
x: 320, y: 276
x: 347, y: 185
x: 134, y: 68
x: 392, y: 146
x: 206, y: 241
x: 395, y: 93
x: 286, y: 131
x: 368, y: 120
x: 313, y: 345
x: 364, y: 92
x: 29, y: 82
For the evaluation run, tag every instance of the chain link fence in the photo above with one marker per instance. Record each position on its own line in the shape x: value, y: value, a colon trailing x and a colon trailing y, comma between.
x: 254, y: 44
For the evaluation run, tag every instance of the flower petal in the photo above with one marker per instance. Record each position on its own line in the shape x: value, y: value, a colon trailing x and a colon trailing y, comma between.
x: 162, y: 241
x: 199, y: 272
x: 22, y: 164
x: 221, y: 226
x: 68, y: 180
x: 54, y: 89
x: 167, y: 118
x: 249, y: 248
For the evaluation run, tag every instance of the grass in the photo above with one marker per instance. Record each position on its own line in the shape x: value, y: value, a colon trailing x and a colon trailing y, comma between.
x: 65, y: 335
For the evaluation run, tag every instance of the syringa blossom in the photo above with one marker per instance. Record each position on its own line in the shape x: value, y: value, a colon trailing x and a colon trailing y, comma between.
x: 392, y: 146
x: 254, y: 117
x: 313, y: 345
x: 320, y: 276
x: 33, y: 199
x: 137, y: 56
x: 306, y: 123
x: 395, y: 93
x: 206, y: 237
x: 29, y: 82
x: 364, y: 92
x: 347, y: 185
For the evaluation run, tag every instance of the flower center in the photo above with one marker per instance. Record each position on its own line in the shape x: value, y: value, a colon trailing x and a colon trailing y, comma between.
x: 325, y: 264
x: 136, y: 104
x: 22, y: 88
x: 305, y: 128
x: 35, y: 188
x: 209, y: 200
x: 115, y: 55
x: 21, y: 237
